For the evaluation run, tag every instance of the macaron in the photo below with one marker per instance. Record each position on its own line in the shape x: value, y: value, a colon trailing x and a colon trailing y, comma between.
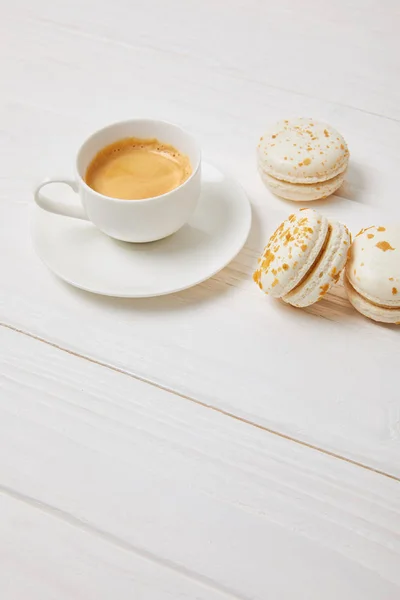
x: 303, y: 258
x: 302, y: 159
x: 372, y: 277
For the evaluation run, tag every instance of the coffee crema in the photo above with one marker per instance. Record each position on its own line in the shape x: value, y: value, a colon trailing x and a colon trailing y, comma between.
x: 135, y: 169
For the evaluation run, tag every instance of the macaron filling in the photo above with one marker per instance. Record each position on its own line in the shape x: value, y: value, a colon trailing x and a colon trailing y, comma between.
x: 314, y: 267
x: 304, y: 184
x: 373, y: 273
x: 373, y: 303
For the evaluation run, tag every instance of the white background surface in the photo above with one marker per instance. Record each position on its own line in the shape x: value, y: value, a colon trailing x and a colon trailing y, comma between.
x: 210, y: 444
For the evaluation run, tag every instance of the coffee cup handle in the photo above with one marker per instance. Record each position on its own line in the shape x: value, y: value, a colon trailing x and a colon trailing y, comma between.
x: 59, y: 208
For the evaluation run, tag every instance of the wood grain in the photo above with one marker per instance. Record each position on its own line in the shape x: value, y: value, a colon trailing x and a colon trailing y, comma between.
x: 117, y: 478
x: 106, y: 482
x: 327, y: 382
x: 225, y: 71
x: 46, y: 554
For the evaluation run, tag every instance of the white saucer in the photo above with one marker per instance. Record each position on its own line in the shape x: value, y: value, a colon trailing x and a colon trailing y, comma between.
x: 84, y: 257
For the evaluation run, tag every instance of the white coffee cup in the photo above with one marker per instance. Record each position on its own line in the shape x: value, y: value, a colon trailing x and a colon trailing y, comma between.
x: 131, y: 220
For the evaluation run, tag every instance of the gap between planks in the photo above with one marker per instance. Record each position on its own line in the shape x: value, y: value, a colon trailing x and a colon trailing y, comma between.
x: 200, y: 403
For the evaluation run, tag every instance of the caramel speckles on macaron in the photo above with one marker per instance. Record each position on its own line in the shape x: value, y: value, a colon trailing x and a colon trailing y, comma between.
x: 324, y: 288
x: 373, y: 289
x: 290, y: 242
x: 257, y: 277
x: 317, y: 161
x: 384, y: 246
x: 309, y: 255
x: 267, y: 259
x: 362, y: 231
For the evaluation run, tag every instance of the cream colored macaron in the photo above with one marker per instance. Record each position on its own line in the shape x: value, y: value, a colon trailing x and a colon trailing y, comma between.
x: 303, y: 258
x: 373, y: 273
x: 302, y: 159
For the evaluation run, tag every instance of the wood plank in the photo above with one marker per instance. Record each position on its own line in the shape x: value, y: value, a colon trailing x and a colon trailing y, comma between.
x: 226, y: 345
x: 226, y: 109
x: 195, y: 492
x: 315, y: 50
x: 328, y: 383
x: 46, y: 555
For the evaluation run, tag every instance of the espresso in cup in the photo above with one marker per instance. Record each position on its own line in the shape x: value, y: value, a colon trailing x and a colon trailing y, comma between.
x: 134, y: 169
x: 164, y: 177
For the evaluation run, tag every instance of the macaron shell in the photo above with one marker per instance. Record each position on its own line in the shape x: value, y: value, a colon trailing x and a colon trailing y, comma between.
x: 302, y: 192
x: 370, y: 310
x: 291, y: 252
x: 326, y: 271
x: 373, y: 268
x: 302, y: 150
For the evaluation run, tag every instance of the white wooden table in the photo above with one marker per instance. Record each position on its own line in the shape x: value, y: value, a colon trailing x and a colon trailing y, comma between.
x: 211, y: 444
